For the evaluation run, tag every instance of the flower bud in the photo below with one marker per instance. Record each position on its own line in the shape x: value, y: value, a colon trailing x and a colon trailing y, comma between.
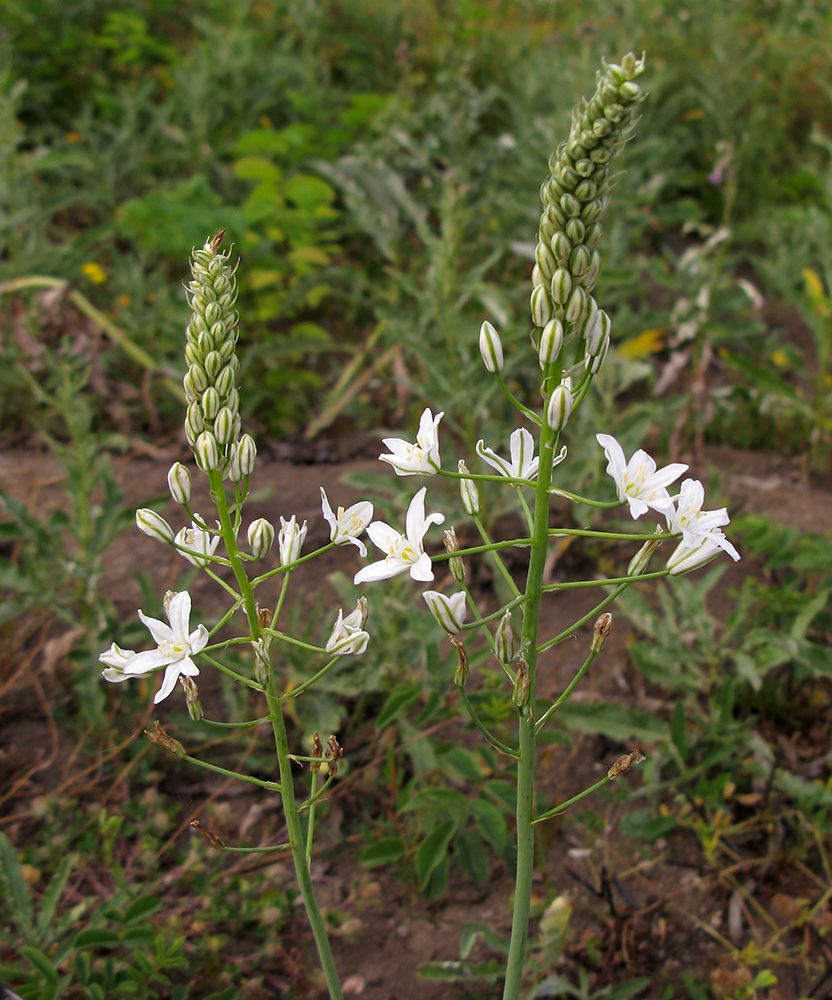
x: 197, y: 378
x: 225, y: 381
x: 561, y: 286
x: 362, y: 610
x: 260, y: 537
x: 570, y: 205
x: 545, y: 260
x: 579, y: 261
x: 154, y: 525
x: 262, y: 662
x: 195, y: 709
x: 640, y: 561
x: 224, y: 426
x: 213, y: 362
x: 469, y: 492
x: 210, y: 403
x: 449, y: 612
x: 207, y: 452
x: 551, y: 342
x: 575, y: 230
x: 455, y: 563
x: 576, y: 303
x: 194, y: 424
x: 559, y: 408
x: 179, y: 483
x: 505, y: 640
x: 602, y: 628
x: 541, y: 305
x: 246, y: 453
x: 597, y: 333
x: 491, y: 348
x: 521, y: 695
x: 561, y: 247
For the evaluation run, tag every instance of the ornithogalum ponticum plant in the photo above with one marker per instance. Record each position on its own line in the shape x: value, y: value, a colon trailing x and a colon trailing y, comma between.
x: 571, y: 338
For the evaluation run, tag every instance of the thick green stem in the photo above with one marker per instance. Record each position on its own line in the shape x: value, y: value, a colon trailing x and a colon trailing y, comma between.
x: 281, y: 742
x: 526, y: 763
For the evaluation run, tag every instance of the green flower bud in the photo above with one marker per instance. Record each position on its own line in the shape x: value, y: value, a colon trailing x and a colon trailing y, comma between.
x: 575, y: 305
x: 224, y: 381
x: 468, y: 491
x: 598, y: 333
x: 586, y: 190
x: 154, y: 525
x: 260, y: 537
x: 224, y: 426
x: 579, y: 261
x: 593, y: 236
x: 193, y: 355
x: 210, y: 403
x: 213, y: 363
x: 179, y: 483
x: 207, y: 452
x: 551, y: 342
x: 570, y: 205
x: 603, y: 627
x: 559, y: 408
x: 505, y: 640
x: 521, y: 695
x: 562, y: 246
x: 575, y: 230
x: 561, y: 286
x: 455, y: 563
x: 541, y: 306
x: 194, y: 424
x: 491, y: 348
x: 641, y: 560
x: 545, y: 261
x: 198, y: 378
x: 246, y: 454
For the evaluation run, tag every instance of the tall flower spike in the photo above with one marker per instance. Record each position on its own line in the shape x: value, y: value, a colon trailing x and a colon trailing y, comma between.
x: 212, y: 425
x: 574, y: 197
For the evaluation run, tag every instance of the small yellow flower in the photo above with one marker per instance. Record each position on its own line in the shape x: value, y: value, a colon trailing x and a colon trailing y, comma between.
x: 95, y: 272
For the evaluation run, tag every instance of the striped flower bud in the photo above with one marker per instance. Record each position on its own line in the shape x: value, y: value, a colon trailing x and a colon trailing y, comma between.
x: 225, y: 424
x: 505, y: 640
x: 260, y: 537
x: 575, y: 304
x: 561, y: 286
x: 491, y: 348
x: 597, y: 334
x: 154, y: 525
x: 559, y: 408
x: 449, y: 612
x: 551, y: 342
x: 210, y: 403
x: 246, y: 453
x: 179, y: 483
x: 455, y: 563
x: 541, y: 306
x: 468, y: 491
x: 641, y: 560
x: 207, y: 452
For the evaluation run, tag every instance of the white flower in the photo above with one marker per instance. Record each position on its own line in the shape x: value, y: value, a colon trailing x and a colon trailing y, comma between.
x: 688, y: 557
x: 421, y: 458
x: 637, y: 481
x: 346, y: 525
x: 290, y: 540
x: 116, y: 659
x: 200, y: 544
x: 174, y: 648
x: 686, y: 518
x: 448, y: 611
x: 523, y: 464
x: 404, y: 552
x: 348, y: 637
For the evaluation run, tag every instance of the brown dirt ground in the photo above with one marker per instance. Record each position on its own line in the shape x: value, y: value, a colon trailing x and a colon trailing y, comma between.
x: 655, y: 910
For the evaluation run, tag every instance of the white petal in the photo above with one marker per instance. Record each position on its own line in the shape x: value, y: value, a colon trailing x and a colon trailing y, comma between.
x: 179, y: 614
x: 161, y: 631
x: 381, y: 570
x: 422, y: 569
x: 168, y: 684
x: 146, y: 662
x: 198, y: 638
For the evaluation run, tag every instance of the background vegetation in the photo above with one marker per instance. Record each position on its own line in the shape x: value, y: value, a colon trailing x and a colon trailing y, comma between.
x: 376, y: 165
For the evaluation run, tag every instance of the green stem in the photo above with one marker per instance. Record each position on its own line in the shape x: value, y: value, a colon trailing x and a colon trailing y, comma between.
x: 500, y: 747
x: 570, y: 687
x: 272, y: 785
x: 526, y: 763
x: 575, y: 798
x: 281, y: 742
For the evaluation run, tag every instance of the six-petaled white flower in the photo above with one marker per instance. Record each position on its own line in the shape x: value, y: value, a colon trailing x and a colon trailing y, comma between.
x: 686, y: 518
x: 196, y: 544
x: 175, y: 647
x: 638, y: 482
x: 523, y: 464
x: 688, y: 557
x: 348, y: 636
x: 404, y: 552
x: 448, y: 611
x: 346, y: 525
x: 421, y: 458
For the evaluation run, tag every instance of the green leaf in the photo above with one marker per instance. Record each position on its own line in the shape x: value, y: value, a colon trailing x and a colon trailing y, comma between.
x: 490, y: 822
x: 472, y: 932
x: 21, y: 901
x: 644, y: 825
x: 400, y: 697
x: 454, y: 971
x: 96, y: 937
x: 616, y: 722
x: 468, y: 764
x: 141, y: 908
x: 41, y: 963
x: 677, y: 731
x: 469, y: 851
x: 437, y: 797
x: 383, y: 852
x: 433, y: 850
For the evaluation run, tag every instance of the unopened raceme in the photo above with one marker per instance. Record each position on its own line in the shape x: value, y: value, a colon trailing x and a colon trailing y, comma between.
x: 212, y: 423
x: 567, y: 261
